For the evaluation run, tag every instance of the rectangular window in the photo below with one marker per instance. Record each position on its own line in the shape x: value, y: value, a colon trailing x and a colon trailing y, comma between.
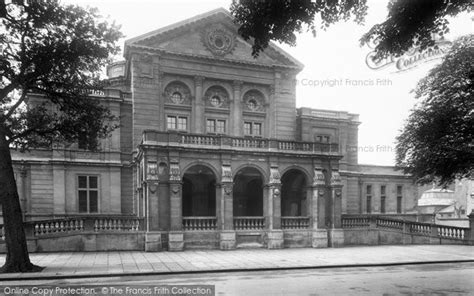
x: 253, y: 128
x: 215, y: 126
x: 321, y: 138
x: 88, y: 194
x: 399, y: 198
x: 382, y: 198
x: 177, y: 122
x: 369, y: 199
x: 220, y: 126
x: 247, y: 128
x: 182, y: 123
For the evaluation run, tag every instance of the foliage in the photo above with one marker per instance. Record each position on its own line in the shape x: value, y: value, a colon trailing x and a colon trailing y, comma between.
x: 409, y: 23
x: 56, y: 51
x: 437, y: 141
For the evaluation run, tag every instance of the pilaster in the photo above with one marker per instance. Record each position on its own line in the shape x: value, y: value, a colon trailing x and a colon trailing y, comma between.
x: 319, y: 233
x: 236, y: 110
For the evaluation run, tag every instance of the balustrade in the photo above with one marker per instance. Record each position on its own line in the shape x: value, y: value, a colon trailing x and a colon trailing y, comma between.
x: 294, y: 222
x: 199, y: 223
x: 238, y: 142
x: 249, y: 223
x: 355, y: 222
x: 451, y: 232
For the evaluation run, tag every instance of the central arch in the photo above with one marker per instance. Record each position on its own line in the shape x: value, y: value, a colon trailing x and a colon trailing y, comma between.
x: 248, y: 192
x: 199, y: 192
x: 293, y: 194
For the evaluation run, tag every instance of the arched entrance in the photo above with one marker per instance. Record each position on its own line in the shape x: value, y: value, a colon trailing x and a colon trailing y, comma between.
x: 293, y: 194
x: 248, y: 193
x: 199, y: 192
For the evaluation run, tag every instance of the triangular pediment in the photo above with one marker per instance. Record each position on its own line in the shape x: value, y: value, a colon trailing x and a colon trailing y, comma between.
x: 212, y: 35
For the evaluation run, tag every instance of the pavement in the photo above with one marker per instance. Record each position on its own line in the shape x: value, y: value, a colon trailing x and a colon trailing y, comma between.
x: 125, y: 263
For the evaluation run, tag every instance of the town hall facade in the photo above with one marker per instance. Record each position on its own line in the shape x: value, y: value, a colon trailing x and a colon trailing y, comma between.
x: 212, y: 152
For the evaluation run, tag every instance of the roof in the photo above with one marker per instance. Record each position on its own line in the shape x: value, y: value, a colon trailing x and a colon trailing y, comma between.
x: 200, y: 18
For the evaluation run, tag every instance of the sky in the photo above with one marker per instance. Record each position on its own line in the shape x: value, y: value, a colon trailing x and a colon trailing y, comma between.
x: 335, y: 77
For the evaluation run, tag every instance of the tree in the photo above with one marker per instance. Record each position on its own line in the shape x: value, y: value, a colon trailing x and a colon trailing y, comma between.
x: 437, y: 141
x: 57, y: 51
x: 409, y: 23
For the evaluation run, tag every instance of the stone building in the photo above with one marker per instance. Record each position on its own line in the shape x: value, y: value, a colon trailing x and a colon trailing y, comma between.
x: 212, y: 152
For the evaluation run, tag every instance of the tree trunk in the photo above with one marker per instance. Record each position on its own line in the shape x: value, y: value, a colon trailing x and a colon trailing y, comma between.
x: 17, y: 259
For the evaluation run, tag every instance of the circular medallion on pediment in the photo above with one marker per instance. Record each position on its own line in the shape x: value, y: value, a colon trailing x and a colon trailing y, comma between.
x: 219, y: 40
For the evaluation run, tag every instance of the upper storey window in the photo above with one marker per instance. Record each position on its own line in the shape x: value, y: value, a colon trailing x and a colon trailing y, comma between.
x: 254, y: 101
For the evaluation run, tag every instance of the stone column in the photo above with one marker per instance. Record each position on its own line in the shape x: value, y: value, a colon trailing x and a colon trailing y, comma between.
x: 152, y: 235
x: 336, y: 233
x: 273, y: 213
x: 236, y: 110
x: 227, y: 236
x: 319, y: 233
x: 176, y: 235
x: 198, y: 106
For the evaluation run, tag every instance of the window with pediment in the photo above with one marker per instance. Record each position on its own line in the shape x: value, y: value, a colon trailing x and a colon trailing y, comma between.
x: 216, y: 97
x: 254, y: 101
x: 177, y: 93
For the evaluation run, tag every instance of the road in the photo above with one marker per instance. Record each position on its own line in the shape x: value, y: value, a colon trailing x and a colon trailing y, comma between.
x: 427, y: 279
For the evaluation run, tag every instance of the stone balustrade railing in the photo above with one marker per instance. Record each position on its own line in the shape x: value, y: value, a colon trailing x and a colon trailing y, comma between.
x: 170, y: 138
x: 249, y: 223
x: 78, y: 224
x: 452, y: 232
x: 294, y: 222
x: 408, y: 227
x: 199, y: 223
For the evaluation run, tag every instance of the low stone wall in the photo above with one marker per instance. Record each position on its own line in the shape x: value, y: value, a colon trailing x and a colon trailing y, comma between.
x: 363, y: 236
x: 201, y: 240
x: 80, y: 242
x: 297, y: 238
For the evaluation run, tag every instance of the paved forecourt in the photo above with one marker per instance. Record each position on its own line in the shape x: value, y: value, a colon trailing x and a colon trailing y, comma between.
x: 85, y: 264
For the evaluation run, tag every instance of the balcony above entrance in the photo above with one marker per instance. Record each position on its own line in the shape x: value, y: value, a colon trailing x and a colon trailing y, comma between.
x: 223, y: 142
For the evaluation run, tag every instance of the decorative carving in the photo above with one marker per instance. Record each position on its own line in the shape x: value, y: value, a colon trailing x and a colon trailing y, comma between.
x: 335, y: 179
x: 228, y: 190
x: 153, y: 187
x: 219, y: 40
x: 175, y: 189
x: 217, y: 97
x: 175, y: 174
x: 338, y: 192
x: 272, y: 89
x: 276, y: 192
x: 177, y: 93
x: 152, y: 171
x: 227, y: 173
x: 254, y: 101
x: 237, y: 84
x: 274, y: 176
x: 198, y: 80
x: 319, y: 178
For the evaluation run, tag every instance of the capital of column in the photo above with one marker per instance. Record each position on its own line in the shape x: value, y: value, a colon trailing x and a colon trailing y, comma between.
x: 237, y: 84
x: 198, y: 80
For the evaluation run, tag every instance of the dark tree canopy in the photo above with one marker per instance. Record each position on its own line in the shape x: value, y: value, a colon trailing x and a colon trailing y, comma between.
x: 437, y: 141
x: 55, y: 51
x: 409, y: 22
